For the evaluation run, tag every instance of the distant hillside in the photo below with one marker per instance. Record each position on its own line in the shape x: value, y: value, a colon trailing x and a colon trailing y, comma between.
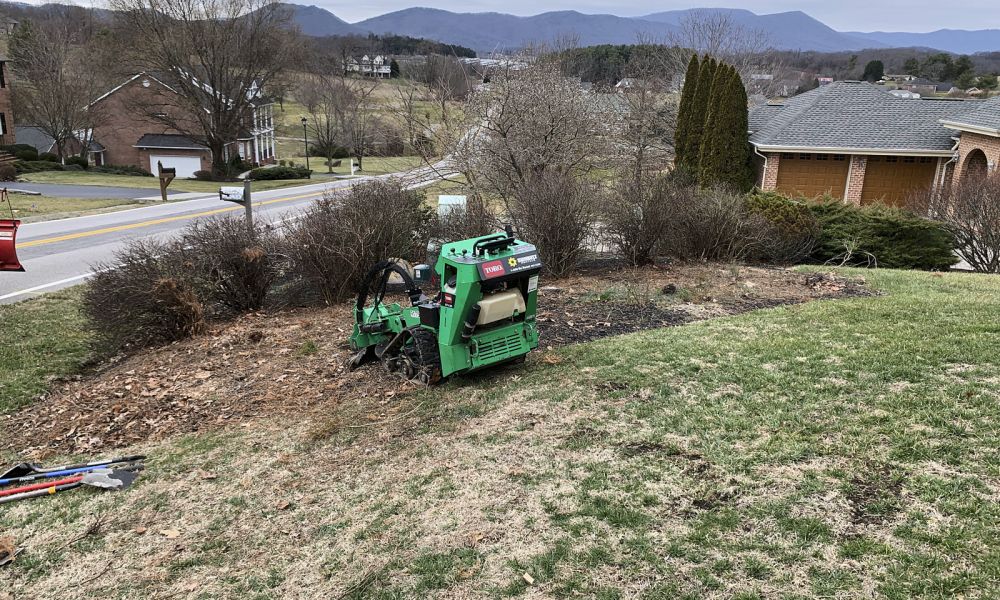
x: 793, y: 30
x: 316, y: 21
x: 960, y: 41
x: 485, y: 32
x: 493, y: 31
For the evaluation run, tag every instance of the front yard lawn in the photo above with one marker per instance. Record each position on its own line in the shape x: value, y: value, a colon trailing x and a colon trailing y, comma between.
x: 833, y: 449
x: 178, y: 185
x: 373, y: 165
x: 41, y: 208
x: 42, y: 338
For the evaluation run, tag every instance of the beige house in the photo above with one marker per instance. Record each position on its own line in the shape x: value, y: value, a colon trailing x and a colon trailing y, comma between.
x: 854, y: 141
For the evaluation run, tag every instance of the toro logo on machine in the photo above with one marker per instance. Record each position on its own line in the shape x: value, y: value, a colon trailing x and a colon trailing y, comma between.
x: 493, y: 269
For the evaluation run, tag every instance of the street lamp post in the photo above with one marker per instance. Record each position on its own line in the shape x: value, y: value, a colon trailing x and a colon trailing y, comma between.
x: 305, y: 136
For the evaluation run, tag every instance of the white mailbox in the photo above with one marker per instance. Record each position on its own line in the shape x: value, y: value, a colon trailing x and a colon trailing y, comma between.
x: 447, y: 203
x: 231, y: 194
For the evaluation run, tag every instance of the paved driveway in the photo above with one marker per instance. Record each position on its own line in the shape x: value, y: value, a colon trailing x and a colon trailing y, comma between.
x: 85, y: 191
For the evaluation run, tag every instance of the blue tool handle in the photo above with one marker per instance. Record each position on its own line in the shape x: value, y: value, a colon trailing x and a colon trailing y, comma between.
x: 48, y: 475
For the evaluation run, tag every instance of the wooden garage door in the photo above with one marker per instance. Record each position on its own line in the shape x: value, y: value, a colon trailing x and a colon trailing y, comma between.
x: 891, y: 179
x: 812, y: 175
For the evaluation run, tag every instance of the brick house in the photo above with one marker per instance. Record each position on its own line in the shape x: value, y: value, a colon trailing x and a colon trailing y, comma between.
x: 128, y: 134
x: 854, y: 141
x: 7, y: 134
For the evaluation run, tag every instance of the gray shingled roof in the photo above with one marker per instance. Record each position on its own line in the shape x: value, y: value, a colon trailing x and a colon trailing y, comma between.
x: 168, y: 140
x: 41, y: 141
x: 985, y: 115
x: 853, y: 114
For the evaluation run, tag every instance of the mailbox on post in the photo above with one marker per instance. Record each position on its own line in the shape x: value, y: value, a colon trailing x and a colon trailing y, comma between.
x: 166, y: 175
x: 239, y: 195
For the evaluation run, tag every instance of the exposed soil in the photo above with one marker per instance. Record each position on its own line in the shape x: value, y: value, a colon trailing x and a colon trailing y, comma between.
x: 293, y: 362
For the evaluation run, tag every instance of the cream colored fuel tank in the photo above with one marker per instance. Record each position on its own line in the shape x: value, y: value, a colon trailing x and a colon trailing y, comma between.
x: 500, y: 306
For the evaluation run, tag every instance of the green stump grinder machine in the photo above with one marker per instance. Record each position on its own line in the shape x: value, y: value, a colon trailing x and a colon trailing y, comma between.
x: 483, y: 316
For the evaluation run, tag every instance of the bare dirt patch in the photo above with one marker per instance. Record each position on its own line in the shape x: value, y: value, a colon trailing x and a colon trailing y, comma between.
x: 291, y: 363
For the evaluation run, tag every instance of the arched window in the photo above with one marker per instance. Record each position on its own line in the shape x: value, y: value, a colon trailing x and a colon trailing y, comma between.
x: 976, y: 164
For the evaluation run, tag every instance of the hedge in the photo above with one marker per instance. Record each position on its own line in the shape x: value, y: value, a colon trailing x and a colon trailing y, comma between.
x: 880, y: 235
x: 272, y: 173
x: 121, y: 170
x: 34, y: 166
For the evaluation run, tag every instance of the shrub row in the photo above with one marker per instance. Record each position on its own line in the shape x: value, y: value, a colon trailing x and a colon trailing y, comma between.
x: 669, y: 216
x: 275, y: 173
x: 160, y: 292
x: 121, y: 170
x: 34, y: 166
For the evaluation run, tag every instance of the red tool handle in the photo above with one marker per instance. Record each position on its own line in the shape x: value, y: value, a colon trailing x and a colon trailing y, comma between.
x: 39, y: 486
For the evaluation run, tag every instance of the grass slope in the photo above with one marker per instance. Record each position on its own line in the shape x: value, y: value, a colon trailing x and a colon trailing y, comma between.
x: 42, y: 338
x: 152, y: 183
x: 43, y: 208
x: 833, y: 449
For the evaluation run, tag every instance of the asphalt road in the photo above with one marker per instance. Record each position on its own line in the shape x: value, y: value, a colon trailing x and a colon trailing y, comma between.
x: 62, y: 253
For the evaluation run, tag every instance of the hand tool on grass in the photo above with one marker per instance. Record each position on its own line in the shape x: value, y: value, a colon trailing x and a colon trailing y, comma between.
x: 51, y: 474
x: 107, y: 479
x: 25, y: 469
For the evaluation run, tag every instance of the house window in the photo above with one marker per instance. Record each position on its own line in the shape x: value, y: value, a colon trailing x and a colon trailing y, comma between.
x: 822, y: 157
x: 909, y: 159
x: 3, y: 74
x: 839, y: 157
x: 925, y: 160
x: 891, y: 159
x: 787, y: 156
x: 3, y: 124
x: 805, y: 156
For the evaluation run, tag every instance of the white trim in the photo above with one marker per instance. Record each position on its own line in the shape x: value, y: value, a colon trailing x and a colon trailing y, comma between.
x: 128, y: 81
x: 871, y: 151
x: 970, y: 128
x: 204, y: 149
x: 850, y: 170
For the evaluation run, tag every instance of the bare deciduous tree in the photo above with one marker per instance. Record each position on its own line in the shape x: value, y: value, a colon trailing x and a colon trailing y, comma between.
x: 56, y: 82
x: 322, y: 97
x: 646, y: 120
x: 213, y: 55
x: 713, y: 32
x: 970, y: 209
x: 357, y: 114
x: 526, y: 122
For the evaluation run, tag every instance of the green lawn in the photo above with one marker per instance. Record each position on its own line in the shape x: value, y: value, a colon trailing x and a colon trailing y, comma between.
x: 373, y: 165
x: 178, y: 185
x: 835, y: 449
x: 37, y: 208
x: 42, y: 338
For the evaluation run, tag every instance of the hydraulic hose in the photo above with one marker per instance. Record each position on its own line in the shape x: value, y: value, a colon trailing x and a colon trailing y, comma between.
x: 382, y: 270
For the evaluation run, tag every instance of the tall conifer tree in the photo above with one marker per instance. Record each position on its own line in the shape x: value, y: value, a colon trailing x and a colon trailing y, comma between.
x: 699, y: 112
x: 725, y: 153
x: 682, y: 134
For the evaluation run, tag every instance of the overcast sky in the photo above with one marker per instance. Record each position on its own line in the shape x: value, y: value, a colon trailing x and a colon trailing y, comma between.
x: 843, y: 15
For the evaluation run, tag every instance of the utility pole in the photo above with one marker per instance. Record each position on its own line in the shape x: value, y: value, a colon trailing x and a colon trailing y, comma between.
x: 305, y: 136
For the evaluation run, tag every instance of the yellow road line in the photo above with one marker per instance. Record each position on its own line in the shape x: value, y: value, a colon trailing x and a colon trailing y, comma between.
x: 93, y: 232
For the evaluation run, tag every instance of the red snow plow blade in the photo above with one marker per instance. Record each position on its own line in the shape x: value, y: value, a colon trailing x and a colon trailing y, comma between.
x: 8, y: 251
